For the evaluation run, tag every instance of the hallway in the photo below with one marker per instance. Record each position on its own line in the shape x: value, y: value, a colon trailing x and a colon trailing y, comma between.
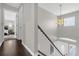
x: 13, y: 47
x: 17, y: 29
x: 43, y: 29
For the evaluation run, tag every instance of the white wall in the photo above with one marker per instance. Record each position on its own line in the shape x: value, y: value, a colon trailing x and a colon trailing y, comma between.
x: 43, y: 43
x: 20, y: 25
x: 47, y: 21
x: 71, y: 32
x: 1, y: 25
x: 28, y: 17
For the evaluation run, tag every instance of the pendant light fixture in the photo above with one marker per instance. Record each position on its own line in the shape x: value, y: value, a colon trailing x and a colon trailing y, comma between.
x: 60, y: 10
x: 60, y: 19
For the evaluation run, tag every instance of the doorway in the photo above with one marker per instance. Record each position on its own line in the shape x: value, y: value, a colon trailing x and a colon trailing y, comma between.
x: 9, y: 26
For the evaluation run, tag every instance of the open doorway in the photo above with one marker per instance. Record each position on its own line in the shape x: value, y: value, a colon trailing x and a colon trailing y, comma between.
x: 9, y: 23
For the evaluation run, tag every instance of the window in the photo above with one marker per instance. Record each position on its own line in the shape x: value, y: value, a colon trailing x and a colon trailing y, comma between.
x: 70, y: 21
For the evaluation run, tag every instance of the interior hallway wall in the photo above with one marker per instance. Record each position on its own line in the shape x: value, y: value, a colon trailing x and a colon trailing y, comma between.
x: 1, y: 24
x: 28, y: 17
x: 47, y: 21
x: 27, y: 26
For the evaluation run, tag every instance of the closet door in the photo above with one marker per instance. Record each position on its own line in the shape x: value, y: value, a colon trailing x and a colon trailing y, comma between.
x: 20, y: 25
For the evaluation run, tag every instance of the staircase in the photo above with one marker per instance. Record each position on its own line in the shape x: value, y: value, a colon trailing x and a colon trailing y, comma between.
x: 51, y: 42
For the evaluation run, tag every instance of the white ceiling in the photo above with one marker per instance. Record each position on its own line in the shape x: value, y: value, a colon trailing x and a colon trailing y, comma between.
x: 16, y: 5
x: 54, y: 7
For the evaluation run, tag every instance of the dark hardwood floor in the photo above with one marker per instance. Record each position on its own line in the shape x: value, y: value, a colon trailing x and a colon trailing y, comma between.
x: 13, y: 47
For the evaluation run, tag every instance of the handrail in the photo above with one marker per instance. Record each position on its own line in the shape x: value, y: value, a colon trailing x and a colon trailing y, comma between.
x: 42, y: 53
x: 49, y: 39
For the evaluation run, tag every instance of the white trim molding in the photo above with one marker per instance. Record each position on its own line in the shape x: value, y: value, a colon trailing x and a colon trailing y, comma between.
x: 28, y: 49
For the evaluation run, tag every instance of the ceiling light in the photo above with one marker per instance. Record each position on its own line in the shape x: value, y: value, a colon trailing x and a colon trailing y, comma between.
x: 60, y: 20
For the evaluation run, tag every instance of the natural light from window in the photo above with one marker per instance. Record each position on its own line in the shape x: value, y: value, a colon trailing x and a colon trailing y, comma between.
x: 70, y: 21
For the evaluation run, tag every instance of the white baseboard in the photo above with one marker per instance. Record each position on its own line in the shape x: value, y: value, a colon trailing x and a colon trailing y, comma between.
x: 28, y: 49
